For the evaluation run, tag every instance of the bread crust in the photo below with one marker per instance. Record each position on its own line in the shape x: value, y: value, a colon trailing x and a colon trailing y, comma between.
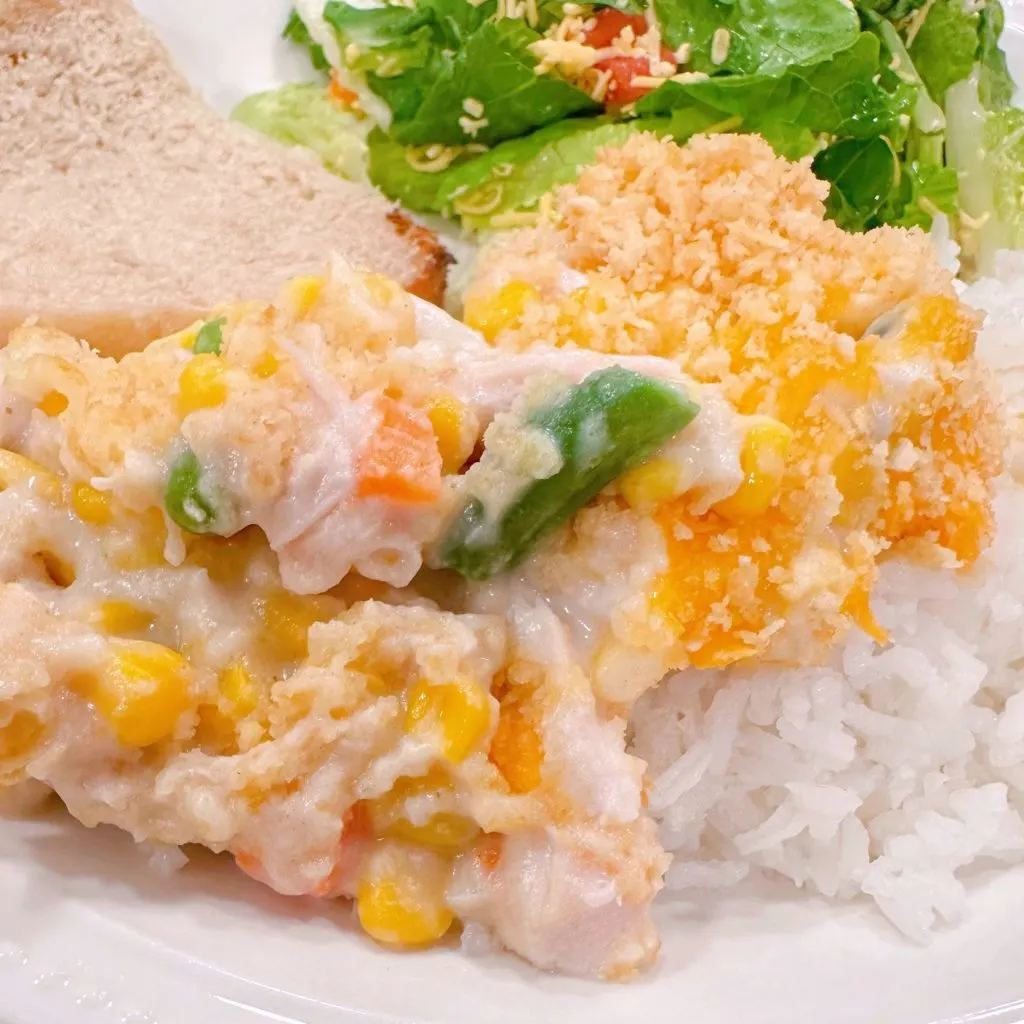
x: 433, y: 276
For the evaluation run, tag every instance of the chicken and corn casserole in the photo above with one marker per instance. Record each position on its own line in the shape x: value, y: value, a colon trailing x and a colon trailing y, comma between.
x: 364, y: 596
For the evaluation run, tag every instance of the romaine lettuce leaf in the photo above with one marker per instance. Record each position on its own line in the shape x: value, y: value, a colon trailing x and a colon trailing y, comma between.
x: 392, y: 172
x: 430, y: 62
x: 839, y: 96
x: 945, y: 45
x: 495, y: 68
x: 871, y: 185
x: 396, y: 49
x: 923, y: 190
x: 1004, y: 140
x: 765, y: 36
x: 894, y: 10
x: 303, y: 115
x: 296, y: 31
x: 986, y: 149
x: 995, y: 83
x: 513, y: 176
x: 862, y: 173
x: 510, y: 178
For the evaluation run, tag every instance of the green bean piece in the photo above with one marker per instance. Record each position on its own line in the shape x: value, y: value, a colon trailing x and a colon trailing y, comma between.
x: 609, y: 423
x: 210, y: 337
x: 185, y: 498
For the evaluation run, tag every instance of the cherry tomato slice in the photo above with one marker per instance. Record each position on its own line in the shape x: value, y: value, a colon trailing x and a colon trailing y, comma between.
x: 621, y: 89
x: 608, y: 26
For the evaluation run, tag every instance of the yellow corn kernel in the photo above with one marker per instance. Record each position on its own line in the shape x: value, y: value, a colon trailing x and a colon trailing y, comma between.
x: 383, y: 291
x: 201, y: 384
x: 939, y: 324
x: 227, y: 559
x: 516, y: 750
x: 459, y: 713
x: 446, y: 418
x: 15, y: 469
x: 215, y: 731
x: 444, y: 830
x: 267, y: 365
x: 492, y: 314
x: 53, y: 403
x: 239, y: 689
x: 141, y: 692
x: 287, y: 619
x: 90, y: 505
x: 20, y: 735
x: 302, y: 293
x: 217, y: 728
x: 763, y: 461
x: 121, y: 617
x: 401, y: 898
x: 650, y: 484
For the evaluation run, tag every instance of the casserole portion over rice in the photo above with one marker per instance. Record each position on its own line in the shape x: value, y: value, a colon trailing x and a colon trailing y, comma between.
x: 365, y: 596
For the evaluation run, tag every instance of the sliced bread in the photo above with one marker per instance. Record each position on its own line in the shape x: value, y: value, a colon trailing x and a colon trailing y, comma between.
x: 128, y: 207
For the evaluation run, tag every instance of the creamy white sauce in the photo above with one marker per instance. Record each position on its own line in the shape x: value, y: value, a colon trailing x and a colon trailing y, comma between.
x: 708, y: 450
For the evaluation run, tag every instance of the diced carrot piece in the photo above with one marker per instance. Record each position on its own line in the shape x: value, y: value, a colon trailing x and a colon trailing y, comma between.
x: 341, y: 93
x: 401, y: 461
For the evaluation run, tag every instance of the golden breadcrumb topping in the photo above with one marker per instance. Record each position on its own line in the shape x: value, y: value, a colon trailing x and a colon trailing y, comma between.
x: 881, y: 426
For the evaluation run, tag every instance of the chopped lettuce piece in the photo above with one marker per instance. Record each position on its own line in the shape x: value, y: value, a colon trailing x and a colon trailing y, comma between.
x: 482, y: 190
x: 894, y: 10
x: 298, y: 33
x: 872, y: 186
x: 1004, y: 143
x: 513, y: 176
x: 923, y: 190
x: 945, y: 45
x: 863, y: 173
x: 927, y: 114
x: 986, y: 149
x: 995, y: 83
x: 304, y: 115
x: 840, y: 96
x: 764, y: 36
x: 450, y: 75
x: 495, y: 70
x: 392, y: 171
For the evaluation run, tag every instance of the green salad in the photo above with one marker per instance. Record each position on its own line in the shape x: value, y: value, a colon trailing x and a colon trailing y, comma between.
x: 475, y: 109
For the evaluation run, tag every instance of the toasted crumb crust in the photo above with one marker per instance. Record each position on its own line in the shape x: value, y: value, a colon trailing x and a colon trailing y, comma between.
x: 682, y: 244
x: 718, y: 255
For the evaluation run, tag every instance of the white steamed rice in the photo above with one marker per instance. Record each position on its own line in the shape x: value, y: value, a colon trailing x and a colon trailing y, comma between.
x: 890, y: 770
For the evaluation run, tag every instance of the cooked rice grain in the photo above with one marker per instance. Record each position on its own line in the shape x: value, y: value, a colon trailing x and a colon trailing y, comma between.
x: 889, y: 771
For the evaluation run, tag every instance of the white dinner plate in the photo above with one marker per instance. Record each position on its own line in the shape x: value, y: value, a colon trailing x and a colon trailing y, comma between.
x: 91, y: 934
